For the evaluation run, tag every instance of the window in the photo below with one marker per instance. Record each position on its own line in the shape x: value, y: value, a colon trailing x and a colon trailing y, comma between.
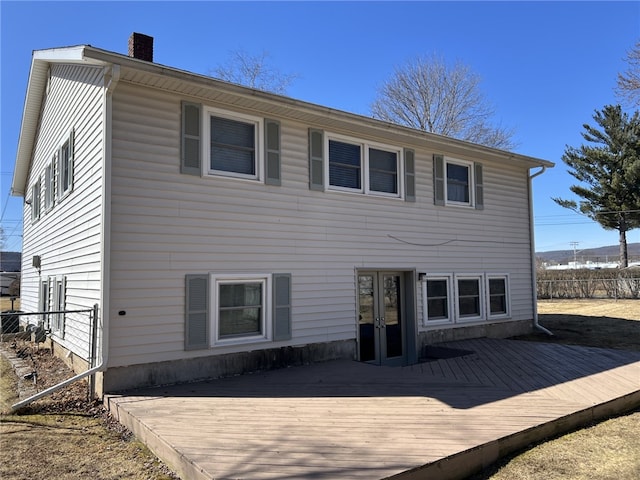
x: 241, y: 309
x: 65, y: 167
x: 220, y: 143
x: 361, y: 167
x: 383, y: 171
x: 59, y: 304
x: 345, y: 165
x: 457, y: 182
x: 43, y: 301
x: 436, y: 299
x: 35, y: 201
x: 49, y: 185
x: 498, y: 293
x: 234, y: 309
x: 469, y: 297
x: 233, y: 145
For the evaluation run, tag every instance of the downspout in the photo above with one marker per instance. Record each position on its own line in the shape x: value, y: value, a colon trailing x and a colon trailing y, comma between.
x: 534, y: 274
x: 111, y: 77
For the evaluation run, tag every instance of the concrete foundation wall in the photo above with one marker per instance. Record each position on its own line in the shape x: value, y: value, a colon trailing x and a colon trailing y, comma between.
x: 491, y: 330
x: 216, y: 366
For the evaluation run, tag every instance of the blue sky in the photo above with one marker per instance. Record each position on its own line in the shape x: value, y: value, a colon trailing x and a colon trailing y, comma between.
x: 545, y: 66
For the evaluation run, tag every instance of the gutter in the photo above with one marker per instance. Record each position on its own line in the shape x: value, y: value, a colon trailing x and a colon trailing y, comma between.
x: 534, y: 274
x: 111, y: 77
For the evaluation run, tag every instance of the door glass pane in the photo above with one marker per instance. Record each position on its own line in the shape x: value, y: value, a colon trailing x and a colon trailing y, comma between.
x: 366, y: 318
x: 392, y: 315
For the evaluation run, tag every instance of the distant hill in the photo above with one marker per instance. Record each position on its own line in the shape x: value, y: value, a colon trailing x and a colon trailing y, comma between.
x: 601, y: 254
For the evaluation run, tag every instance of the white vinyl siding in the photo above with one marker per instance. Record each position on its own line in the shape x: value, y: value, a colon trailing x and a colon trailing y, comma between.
x: 68, y: 236
x: 166, y: 225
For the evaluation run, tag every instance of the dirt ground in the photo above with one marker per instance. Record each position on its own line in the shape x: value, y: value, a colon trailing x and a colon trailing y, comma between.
x: 68, y: 437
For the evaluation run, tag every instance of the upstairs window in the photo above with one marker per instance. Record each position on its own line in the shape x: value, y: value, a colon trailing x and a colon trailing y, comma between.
x: 345, y: 165
x: 50, y: 184
x: 362, y: 167
x: 383, y: 171
x: 233, y: 147
x: 65, y: 166
x: 35, y: 201
x: 221, y: 143
x: 457, y: 182
x: 232, y: 144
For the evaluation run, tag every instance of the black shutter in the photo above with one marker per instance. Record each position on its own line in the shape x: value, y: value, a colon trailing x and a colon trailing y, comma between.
x: 409, y: 175
x: 196, y: 334
x: 272, y: 152
x: 190, y: 151
x: 479, y: 186
x: 438, y: 179
x: 316, y: 159
x: 281, y: 306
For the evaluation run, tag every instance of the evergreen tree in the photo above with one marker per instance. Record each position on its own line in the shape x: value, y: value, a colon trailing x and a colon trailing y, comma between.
x: 609, y: 172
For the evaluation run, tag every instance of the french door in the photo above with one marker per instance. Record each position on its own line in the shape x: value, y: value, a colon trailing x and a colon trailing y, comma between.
x: 381, y: 321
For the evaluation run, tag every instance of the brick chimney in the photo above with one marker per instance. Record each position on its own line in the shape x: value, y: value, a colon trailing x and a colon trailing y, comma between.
x: 141, y: 47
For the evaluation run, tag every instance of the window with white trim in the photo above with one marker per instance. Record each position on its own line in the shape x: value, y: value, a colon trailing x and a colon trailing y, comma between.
x: 35, y: 201
x: 436, y: 298
x: 241, y: 307
x: 232, y: 144
x: 469, y: 297
x: 65, y: 166
x: 361, y: 167
x: 459, y: 181
x: 498, y: 295
x: 49, y: 184
x: 59, y: 305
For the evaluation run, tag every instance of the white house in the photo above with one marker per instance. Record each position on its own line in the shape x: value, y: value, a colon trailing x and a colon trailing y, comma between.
x: 221, y: 229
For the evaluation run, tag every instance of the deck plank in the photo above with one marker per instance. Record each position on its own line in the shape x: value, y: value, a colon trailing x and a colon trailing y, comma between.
x: 355, y: 421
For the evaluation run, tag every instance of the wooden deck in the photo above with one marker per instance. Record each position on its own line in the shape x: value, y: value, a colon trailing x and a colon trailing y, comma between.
x: 349, y: 420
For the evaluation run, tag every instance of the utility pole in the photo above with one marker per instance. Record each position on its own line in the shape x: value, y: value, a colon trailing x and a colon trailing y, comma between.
x: 575, y: 253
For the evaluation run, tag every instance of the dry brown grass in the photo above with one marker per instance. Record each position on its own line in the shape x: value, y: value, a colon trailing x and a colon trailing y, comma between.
x: 604, y: 451
x: 64, y: 436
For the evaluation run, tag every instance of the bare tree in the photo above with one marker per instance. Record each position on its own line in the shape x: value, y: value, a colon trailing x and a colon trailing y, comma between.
x: 628, y: 88
x: 254, y: 71
x: 429, y: 95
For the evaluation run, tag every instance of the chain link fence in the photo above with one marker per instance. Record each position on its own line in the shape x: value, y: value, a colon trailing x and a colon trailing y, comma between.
x: 75, y: 330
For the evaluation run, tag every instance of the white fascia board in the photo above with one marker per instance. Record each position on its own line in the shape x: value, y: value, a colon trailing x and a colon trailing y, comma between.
x: 40, y: 62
